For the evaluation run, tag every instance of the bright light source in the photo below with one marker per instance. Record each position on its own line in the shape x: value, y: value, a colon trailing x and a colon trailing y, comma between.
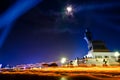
x: 63, y: 78
x: 117, y: 54
x: 63, y: 60
x: 69, y: 8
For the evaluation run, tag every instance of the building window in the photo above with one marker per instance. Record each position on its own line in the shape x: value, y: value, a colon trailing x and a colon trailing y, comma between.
x: 98, y: 56
x: 106, y: 57
x: 112, y: 56
x: 95, y: 56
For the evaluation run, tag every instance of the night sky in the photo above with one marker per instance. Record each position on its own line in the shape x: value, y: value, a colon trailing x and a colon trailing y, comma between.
x: 45, y: 33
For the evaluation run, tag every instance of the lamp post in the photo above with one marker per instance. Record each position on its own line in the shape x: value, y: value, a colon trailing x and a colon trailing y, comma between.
x: 63, y: 61
x: 117, y: 54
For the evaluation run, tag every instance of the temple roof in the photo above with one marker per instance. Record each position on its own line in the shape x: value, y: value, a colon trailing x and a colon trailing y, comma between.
x: 99, y: 46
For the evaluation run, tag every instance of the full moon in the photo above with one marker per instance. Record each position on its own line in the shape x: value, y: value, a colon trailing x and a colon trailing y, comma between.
x: 69, y: 9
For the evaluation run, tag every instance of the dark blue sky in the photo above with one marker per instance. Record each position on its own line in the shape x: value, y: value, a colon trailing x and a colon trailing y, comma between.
x: 44, y: 33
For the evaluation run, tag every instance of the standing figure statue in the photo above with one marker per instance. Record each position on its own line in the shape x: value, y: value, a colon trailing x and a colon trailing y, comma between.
x: 88, y: 38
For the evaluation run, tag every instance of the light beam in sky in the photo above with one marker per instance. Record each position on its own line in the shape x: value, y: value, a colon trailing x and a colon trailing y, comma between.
x: 13, y: 13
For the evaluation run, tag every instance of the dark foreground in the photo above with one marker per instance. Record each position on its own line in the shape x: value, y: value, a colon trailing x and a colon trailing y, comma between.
x: 63, y: 77
x: 36, y: 77
x: 64, y: 74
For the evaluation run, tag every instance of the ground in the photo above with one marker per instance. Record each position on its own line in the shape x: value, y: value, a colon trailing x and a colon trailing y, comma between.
x: 76, y: 73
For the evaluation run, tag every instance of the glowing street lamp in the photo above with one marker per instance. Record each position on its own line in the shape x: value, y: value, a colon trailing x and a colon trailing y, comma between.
x: 116, y: 54
x: 63, y: 60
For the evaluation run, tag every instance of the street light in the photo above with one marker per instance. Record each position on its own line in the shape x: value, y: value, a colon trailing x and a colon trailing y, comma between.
x: 116, y: 54
x: 63, y: 60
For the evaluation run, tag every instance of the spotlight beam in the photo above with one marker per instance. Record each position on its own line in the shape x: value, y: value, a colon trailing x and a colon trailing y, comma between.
x: 13, y: 13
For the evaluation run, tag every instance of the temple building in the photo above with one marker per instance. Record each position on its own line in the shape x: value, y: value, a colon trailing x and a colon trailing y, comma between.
x: 98, y: 53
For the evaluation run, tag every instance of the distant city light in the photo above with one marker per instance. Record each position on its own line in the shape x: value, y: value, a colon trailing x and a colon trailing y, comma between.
x: 63, y: 60
x: 117, y: 54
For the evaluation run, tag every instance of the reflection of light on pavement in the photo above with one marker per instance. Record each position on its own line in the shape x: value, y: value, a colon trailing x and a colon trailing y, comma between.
x: 63, y: 78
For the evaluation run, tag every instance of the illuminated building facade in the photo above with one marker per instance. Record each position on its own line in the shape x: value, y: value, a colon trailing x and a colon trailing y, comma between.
x: 98, y: 53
